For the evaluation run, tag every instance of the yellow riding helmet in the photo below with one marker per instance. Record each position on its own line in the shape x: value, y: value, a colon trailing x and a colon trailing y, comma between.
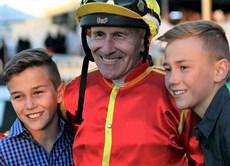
x: 121, y: 13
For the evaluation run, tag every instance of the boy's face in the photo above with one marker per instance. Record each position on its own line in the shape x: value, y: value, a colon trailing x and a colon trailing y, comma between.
x: 189, y: 73
x: 35, y: 99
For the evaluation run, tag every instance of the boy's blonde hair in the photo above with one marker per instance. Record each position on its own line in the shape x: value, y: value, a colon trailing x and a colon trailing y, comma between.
x: 212, y: 35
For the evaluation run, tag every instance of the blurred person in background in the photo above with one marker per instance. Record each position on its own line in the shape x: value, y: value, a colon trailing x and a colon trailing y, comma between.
x: 2, y: 54
x: 23, y: 44
x: 49, y: 40
x: 122, y: 112
x: 10, y: 47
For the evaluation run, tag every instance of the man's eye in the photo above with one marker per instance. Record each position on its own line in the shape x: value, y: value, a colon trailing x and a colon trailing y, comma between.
x: 97, y: 34
x: 118, y: 35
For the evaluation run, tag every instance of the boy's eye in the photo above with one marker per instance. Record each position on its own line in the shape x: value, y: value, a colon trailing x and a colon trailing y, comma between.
x: 167, y: 69
x: 17, y: 97
x: 183, y: 67
x: 38, y: 92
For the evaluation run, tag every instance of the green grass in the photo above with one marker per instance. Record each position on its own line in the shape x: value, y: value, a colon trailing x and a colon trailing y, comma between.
x: 228, y: 85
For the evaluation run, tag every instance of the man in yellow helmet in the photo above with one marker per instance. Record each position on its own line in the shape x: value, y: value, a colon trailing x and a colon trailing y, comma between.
x: 122, y: 112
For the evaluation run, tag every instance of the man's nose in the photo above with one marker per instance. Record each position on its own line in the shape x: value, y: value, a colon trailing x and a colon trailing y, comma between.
x: 108, y: 46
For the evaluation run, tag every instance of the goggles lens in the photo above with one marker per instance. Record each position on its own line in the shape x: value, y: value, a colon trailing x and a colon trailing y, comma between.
x: 117, y: 2
x: 88, y: 1
x: 138, y: 6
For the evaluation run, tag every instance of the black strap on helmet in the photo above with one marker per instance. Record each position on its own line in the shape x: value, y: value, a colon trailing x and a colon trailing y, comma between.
x: 78, y: 119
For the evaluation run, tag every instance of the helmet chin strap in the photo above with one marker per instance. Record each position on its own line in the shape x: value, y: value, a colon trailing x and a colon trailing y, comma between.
x: 145, y: 54
x: 78, y: 118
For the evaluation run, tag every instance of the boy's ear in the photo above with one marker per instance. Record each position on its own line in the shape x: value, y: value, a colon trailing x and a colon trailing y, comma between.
x: 221, y: 70
x: 60, y: 93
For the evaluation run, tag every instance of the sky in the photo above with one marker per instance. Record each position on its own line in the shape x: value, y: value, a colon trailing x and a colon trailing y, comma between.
x: 35, y: 7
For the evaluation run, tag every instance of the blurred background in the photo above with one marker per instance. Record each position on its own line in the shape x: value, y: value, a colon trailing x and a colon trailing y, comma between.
x: 51, y: 24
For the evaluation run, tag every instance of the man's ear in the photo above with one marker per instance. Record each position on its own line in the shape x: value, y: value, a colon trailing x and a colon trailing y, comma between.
x: 89, y: 33
x: 60, y: 93
x: 221, y: 70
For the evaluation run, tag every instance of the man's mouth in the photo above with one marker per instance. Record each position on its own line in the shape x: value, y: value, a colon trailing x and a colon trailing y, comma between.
x: 110, y: 59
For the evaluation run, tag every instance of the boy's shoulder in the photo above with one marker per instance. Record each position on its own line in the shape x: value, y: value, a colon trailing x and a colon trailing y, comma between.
x: 225, y: 114
x: 5, y: 142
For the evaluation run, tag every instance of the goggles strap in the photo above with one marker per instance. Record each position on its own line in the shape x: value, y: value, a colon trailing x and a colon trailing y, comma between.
x: 146, y: 46
x: 78, y: 118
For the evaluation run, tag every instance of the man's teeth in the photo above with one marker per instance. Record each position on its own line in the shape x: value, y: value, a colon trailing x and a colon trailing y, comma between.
x: 179, y: 92
x: 110, y: 60
x: 34, y: 115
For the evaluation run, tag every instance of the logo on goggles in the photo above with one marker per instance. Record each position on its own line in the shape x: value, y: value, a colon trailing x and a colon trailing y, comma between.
x: 102, y: 20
